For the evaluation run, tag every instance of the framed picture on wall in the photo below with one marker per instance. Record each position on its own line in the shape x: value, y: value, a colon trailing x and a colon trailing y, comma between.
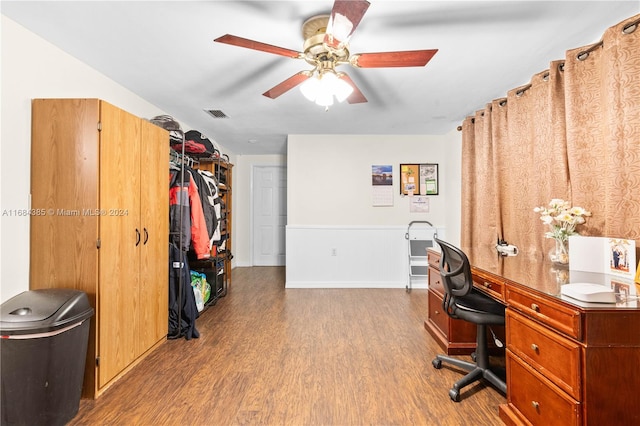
x: 428, y: 179
x: 409, y: 179
x: 419, y: 179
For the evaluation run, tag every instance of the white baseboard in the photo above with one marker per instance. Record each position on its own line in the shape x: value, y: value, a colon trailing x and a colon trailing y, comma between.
x: 352, y: 284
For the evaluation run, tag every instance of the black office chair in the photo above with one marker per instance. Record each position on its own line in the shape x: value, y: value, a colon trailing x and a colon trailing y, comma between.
x: 462, y: 301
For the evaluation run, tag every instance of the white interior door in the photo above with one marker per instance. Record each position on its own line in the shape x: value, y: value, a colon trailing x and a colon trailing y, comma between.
x: 269, y: 215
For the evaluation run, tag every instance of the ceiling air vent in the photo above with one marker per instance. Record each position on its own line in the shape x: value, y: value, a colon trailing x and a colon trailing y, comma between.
x: 216, y: 113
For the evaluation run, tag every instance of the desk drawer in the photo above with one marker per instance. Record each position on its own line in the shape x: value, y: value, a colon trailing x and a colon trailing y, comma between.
x: 433, y: 259
x: 493, y: 288
x: 552, y: 355
x: 435, y: 281
x: 556, y: 315
x: 537, y: 399
x: 437, y: 315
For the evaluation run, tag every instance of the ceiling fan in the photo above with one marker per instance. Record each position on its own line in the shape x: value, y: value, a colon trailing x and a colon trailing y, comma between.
x: 326, y: 46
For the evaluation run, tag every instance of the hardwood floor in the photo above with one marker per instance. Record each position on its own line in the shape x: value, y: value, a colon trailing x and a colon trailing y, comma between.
x: 274, y: 356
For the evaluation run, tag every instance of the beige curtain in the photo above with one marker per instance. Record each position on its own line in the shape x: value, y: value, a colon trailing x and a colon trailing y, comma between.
x: 572, y: 133
x: 603, y: 131
x: 478, y: 174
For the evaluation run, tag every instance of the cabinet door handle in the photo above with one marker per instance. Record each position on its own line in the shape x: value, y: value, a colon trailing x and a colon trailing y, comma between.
x: 137, y: 237
x: 534, y: 347
x: 535, y: 404
x: 535, y: 307
x: 146, y: 237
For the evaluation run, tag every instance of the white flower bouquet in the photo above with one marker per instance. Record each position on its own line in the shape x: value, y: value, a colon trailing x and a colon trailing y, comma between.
x: 562, y: 218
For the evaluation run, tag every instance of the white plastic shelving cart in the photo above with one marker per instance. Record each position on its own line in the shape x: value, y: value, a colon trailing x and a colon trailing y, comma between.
x: 419, y: 237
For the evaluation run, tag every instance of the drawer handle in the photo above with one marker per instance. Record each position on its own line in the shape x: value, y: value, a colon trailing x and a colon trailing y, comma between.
x: 535, y: 307
x: 535, y: 405
x: 534, y: 347
x: 487, y: 285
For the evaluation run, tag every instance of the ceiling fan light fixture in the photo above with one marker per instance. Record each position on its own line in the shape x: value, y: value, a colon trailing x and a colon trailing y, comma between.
x: 322, y: 88
x: 310, y: 88
x: 328, y: 79
x: 342, y: 90
x: 331, y: 84
x: 324, y: 99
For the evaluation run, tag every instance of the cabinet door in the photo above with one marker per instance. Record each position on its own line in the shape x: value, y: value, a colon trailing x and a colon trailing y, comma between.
x: 64, y: 159
x: 120, y: 235
x: 64, y: 186
x: 154, y: 250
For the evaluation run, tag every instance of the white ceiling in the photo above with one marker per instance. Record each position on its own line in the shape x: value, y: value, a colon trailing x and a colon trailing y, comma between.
x: 164, y: 52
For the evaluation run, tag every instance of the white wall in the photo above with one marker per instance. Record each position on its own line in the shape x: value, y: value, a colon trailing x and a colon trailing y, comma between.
x: 329, y: 178
x: 329, y: 198
x: 349, y: 166
x: 376, y: 256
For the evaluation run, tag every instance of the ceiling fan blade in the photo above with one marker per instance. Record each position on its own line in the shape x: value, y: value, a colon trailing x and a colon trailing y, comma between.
x: 287, y: 85
x: 407, y: 58
x: 256, y: 45
x: 356, y: 97
x: 345, y: 17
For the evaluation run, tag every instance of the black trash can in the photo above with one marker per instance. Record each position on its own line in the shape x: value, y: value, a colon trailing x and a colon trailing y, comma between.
x: 44, y: 337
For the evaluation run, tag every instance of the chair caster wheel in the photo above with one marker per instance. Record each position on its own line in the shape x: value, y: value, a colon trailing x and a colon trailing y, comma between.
x: 436, y: 363
x: 454, y: 394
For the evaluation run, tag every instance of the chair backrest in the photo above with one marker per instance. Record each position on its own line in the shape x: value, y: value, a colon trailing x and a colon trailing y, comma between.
x: 455, y: 271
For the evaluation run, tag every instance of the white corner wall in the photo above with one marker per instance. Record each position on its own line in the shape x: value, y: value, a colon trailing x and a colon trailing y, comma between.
x: 335, y: 236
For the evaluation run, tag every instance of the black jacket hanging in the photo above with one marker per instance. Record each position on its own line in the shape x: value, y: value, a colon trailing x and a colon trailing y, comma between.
x: 179, y: 269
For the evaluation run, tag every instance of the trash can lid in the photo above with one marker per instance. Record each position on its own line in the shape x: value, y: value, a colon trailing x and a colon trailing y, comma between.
x: 43, y: 310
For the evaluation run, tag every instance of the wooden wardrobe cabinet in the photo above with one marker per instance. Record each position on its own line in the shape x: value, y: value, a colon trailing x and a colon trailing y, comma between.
x: 99, y: 223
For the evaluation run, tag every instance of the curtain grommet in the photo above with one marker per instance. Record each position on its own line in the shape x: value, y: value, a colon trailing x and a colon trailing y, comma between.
x: 582, y: 56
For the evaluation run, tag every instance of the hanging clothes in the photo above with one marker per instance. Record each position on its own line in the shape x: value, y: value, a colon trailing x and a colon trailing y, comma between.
x: 184, y: 200
x: 212, y: 183
x: 182, y: 302
x: 204, y: 191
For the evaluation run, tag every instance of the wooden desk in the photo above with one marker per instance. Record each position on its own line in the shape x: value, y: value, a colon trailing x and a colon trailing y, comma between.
x: 568, y: 362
